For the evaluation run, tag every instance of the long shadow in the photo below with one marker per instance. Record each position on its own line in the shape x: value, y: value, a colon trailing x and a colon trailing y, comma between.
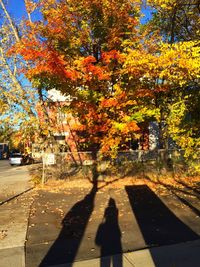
x: 173, y: 189
x: 158, y: 224
x: 108, y: 237
x: 176, y: 192
x: 193, y: 189
x: 187, y: 203
x: 65, y: 247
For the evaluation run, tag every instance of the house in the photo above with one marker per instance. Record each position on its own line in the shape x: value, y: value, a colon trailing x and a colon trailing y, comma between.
x: 63, y: 125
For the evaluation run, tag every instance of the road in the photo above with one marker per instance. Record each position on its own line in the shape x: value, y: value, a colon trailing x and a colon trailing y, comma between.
x: 13, y: 180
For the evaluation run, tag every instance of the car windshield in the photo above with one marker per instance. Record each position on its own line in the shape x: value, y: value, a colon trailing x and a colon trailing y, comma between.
x: 16, y: 156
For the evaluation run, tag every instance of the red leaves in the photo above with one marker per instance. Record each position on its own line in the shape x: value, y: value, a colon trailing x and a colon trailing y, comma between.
x: 93, y: 71
x: 107, y: 103
x: 96, y: 71
x: 88, y: 60
x: 113, y: 55
x: 44, y: 59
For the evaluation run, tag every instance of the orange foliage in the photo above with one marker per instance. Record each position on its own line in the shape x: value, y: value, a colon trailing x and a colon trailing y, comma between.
x: 113, y: 55
x: 81, y: 49
x: 107, y: 103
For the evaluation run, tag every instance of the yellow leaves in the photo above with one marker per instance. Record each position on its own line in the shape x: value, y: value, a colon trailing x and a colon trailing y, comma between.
x: 3, y: 107
x: 30, y: 6
x: 176, y: 64
x: 180, y: 62
x: 117, y: 133
x: 181, y: 134
x: 164, y: 4
x: 139, y: 63
x: 110, y: 143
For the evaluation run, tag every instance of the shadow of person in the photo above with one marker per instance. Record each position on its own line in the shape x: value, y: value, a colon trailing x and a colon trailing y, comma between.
x: 65, y: 247
x: 108, y: 237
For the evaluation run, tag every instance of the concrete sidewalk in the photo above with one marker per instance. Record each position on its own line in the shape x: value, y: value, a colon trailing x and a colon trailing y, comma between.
x: 13, y: 229
x: 13, y: 182
x: 179, y: 255
x: 15, y: 201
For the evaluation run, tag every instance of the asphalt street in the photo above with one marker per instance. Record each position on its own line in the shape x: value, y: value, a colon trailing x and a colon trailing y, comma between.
x: 6, y: 169
x: 4, y: 166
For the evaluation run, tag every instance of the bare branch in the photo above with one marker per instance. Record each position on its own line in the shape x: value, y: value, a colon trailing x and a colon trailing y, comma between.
x: 13, y: 26
x: 28, y: 13
x: 16, y: 82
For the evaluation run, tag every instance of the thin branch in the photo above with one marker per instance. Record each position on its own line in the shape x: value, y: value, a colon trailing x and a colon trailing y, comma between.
x: 13, y: 26
x: 28, y: 13
x: 15, y: 81
x: 15, y: 65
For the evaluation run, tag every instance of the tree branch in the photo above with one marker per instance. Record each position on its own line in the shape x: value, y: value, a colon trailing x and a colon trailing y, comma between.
x: 16, y: 82
x: 14, y: 28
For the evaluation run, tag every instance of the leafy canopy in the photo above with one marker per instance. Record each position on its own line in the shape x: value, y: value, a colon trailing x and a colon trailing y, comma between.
x: 117, y: 73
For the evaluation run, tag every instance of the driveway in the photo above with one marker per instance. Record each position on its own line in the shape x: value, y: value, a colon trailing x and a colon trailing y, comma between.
x: 78, y: 224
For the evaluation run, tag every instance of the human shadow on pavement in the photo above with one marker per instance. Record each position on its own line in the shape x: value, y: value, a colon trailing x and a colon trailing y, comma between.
x: 108, y: 237
x: 65, y: 247
x: 158, y: 224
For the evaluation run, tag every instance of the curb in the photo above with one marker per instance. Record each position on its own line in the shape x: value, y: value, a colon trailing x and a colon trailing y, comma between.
x: 15, y: 196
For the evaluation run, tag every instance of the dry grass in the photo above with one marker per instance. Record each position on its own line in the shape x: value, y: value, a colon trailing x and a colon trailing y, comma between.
x: 161, y: 184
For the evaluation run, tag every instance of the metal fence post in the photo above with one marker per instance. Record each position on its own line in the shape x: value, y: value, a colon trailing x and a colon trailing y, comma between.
x: 43, y: 170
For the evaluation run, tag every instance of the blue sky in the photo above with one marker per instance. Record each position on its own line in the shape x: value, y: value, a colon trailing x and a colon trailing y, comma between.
x: 16, y: 8
x: 148, y: 13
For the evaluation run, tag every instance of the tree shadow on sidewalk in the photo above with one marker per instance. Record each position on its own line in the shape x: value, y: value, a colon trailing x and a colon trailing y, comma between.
x: 158, y: 224
x: 108, y: 237
x: 65, y: 247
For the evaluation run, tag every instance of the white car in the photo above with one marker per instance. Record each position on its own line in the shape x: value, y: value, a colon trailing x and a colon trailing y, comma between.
x: 16, y: 159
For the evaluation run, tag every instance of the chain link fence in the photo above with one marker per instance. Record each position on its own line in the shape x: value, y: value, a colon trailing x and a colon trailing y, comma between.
x: 139, y: 163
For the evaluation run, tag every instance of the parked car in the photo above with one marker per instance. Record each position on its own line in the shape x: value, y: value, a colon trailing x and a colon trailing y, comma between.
x: 16, y: 159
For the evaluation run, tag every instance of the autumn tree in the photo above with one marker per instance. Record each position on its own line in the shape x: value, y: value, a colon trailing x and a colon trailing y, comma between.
x: 79, y: 49
x: 178, y: 23
x: 17, y: 96
x: 177, y: 20
x: 117, y: 73
x: 5, y: 132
